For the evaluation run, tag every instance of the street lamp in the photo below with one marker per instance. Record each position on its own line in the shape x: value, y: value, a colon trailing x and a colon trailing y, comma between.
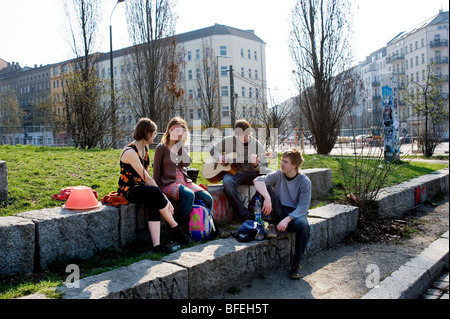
x: 113, y: 102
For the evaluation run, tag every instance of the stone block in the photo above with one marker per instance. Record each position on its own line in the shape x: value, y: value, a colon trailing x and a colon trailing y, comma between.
x: 321, y: 181
x: 65, y: 234
x: 133, y: 224
x: 17, y: 238
x: 223, y: 263
x: 146, y: 279
x: 396, y: 200
x: 341, y: 220
x: 318, y: 236
x: 3, y: 181
x: 221, y: 206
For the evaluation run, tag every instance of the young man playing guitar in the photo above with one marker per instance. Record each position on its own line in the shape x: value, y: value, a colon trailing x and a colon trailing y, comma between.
x: 247, y: 165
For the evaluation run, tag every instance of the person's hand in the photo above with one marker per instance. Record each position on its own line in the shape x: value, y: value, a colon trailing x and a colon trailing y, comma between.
x: 283, y: 224
x: 267, y: 207
x: 255, y: 159
x: 223, y: 159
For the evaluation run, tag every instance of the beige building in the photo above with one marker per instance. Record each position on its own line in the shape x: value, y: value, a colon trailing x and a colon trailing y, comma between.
x: 409, y: 54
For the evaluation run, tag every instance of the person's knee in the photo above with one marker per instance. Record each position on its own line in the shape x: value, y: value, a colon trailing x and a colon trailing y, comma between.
x: 206, y: 198
x: 187, y: 196
x: 228, y: 181
x: 301, y: 225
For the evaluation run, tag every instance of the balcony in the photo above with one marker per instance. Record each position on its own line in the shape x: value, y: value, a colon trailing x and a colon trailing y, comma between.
x: 439, y: 43
x: 395, y: 57
x: 439, y: 60
x: 376, y: 83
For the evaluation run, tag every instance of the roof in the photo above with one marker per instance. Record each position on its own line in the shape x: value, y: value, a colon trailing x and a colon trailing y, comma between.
x: 440, y: 18
x: 217, y: 29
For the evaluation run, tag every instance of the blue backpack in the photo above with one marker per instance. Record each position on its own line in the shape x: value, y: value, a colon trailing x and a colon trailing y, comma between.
x: 201, y: 222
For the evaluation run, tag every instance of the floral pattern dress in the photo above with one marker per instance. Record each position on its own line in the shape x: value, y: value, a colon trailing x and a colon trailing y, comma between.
x: 129, y: 178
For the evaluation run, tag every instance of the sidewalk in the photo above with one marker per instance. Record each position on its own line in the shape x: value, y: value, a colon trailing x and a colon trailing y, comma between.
x: 348, y: 270
x: 349, y: 149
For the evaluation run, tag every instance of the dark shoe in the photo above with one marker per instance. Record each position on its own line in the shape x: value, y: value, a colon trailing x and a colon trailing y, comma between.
x: 161, y: 249
x: 180, y: 235
x: 271, y: 231
x: 296, y: 272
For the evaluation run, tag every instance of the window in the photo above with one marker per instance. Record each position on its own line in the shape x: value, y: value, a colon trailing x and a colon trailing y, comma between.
x: 242, y: 72
x: 224, y: 90
x: 249, y: 73
x: 197, y: 54
x: 255, y: 55
x: 191, y: 114
x: 223, y: 71
x: 199, y: 114
x: 223, y: 50
x: 242, y: 52
x: 243, y: 91
x: 249, y: 55
x: 199, y: 74
x: 225, y: 111
x: 417, y: 60
x: 250, y: 92
x: 423, y: 58
x: 422, y: 44
x: 189, y: 74
x: 189, y: 56
x: 417, y: 45
x: 256, y: 74
x: 191, y: 94
x: 244, y: 111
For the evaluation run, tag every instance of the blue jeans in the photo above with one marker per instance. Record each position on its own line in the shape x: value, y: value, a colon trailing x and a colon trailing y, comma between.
x: 187, y: 198
x: 299, y: 226
x: 230, y: 184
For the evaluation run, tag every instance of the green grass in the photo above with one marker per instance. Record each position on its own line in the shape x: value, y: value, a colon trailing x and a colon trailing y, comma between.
x: 36, y: 173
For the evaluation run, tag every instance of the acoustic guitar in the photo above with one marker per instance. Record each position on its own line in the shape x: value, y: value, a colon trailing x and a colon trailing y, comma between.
x: 214, y: 171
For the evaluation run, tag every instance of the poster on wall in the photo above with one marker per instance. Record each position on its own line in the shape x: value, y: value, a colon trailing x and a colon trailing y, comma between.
x: 390, y: 122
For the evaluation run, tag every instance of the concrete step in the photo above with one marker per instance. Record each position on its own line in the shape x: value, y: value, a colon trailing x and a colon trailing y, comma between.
x: 202, y: 270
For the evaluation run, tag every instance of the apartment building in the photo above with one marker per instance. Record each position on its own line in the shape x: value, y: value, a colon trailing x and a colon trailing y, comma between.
x: 240, y: 52
x: 411, y: 52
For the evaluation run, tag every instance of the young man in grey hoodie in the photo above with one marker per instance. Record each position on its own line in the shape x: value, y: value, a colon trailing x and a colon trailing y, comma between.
x: 286, y: 195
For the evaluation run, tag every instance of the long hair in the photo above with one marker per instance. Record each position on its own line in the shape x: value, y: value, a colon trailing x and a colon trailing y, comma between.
x: 176, y: 120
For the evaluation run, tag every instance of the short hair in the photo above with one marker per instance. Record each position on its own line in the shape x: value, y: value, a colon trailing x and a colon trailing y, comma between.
x: 242, y: 126
x: 176, y: 120
x: 144, y: 127
x: 295, y: 156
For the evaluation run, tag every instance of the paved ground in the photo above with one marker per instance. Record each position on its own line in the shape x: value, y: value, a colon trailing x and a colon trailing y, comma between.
x: 405, y: 149
x: 348, y: 270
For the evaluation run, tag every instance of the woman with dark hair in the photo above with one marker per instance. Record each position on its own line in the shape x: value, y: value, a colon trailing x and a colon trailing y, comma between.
x: 137, y: 186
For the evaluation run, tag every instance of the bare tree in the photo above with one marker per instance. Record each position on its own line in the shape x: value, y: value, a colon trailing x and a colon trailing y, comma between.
x: 320, y: 48
x: 11, y: 115
x: 208, y: 84
x: 151, y: 25
x: 430, y: 106
x: 87, y: 116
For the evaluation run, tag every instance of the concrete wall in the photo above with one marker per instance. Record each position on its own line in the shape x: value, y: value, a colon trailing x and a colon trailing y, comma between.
x: 396, y: 200
x: 202, y: 270
x: 32, y: 240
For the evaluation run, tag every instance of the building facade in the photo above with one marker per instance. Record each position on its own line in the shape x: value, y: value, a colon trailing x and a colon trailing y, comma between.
x: 411, y: 53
